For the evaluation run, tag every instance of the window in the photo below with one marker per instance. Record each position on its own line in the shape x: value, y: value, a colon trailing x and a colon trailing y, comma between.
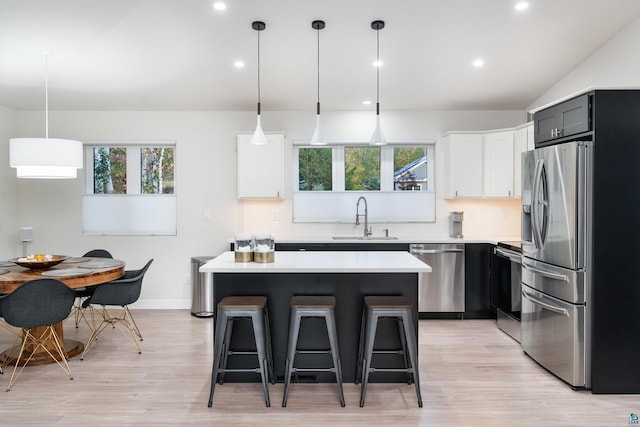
x: 129, y: 188
x: 398, y: 177
x: 362, y: 168
x: 314, y: 169
x: 410, y: 169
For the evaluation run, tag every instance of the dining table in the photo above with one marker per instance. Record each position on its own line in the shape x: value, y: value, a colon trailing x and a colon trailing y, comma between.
x: 75, y: 272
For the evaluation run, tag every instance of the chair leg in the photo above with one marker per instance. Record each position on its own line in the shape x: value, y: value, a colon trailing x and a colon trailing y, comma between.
x: 358, y: 377
x: 370, y: 334
x: 402, y: 335
x: 218, y: 344
x: 133, y: 327
x: 267, y: 327
x: 226, y: 348
x: 261, y: 348
x: 335, y: 354
x: 410, y: 334
x: 294, y: 329
x: 49, y: 336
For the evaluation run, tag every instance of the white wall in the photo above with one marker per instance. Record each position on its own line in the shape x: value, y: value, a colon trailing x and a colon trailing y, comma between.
x: 206, y: 179
x: 614, y: 65
x: 9, y: 220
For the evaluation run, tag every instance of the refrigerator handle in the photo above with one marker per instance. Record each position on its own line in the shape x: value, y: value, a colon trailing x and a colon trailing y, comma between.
x: 547, y: 306
x: 559, y: 277
x: 535, y: 227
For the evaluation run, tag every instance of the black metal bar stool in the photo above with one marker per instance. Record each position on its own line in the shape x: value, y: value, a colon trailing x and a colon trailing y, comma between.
x: 381, y: 307
x: 233, y: 308
x: 306, y: 307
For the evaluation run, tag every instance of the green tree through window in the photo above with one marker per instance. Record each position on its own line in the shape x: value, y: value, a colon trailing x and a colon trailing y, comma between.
x: 362, y: 168
x: 314, y: 169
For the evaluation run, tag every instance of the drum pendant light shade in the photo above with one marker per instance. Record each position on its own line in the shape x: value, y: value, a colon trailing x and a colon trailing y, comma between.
x: 378, y: 137
x: 318, y: 138
x: 258, y: 137
x: 45, y: 158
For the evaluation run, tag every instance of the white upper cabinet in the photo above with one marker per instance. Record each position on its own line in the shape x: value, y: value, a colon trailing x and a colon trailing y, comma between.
x: 463, y: 165
x: 485, y: 164
x: 523, y: 141
x: 260, y: 174
x: 498, y: 164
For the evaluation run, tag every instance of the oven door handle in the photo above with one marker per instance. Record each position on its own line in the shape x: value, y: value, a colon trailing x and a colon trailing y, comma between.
x: 560, y: 277
x: 545, y: 305
x: 511, y: 255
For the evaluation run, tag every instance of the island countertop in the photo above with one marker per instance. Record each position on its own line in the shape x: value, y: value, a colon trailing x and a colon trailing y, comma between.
x: 322, y: 262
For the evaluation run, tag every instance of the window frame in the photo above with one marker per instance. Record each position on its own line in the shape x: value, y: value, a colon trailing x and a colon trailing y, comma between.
x: 133, y: 213
x: 386, y: 163
x: 386, y: 205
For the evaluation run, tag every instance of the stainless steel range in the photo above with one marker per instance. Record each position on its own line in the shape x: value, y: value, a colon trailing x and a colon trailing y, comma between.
x: 506, y: 287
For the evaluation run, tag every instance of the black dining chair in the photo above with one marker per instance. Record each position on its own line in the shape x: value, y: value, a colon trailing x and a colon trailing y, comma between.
x: 37, y: 303
x: 83, y: 293
x: 120, y: 292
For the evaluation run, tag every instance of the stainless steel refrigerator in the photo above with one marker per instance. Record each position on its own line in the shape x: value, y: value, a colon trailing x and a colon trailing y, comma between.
x: 556, y: 252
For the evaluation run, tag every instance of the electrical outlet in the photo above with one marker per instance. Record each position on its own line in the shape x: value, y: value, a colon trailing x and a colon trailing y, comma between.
x: 187, y: 279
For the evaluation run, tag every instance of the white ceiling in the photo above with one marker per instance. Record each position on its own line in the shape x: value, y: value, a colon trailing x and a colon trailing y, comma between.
x: 179, y: 54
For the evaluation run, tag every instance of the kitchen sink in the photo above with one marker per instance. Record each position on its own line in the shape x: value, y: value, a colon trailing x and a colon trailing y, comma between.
x: 364, y: 238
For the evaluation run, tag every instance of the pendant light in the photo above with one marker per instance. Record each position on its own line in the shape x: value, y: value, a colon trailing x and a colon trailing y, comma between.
x: 45, y: 158
x: 378, y: 137
x: 258, y: 137
x: 318, y: 137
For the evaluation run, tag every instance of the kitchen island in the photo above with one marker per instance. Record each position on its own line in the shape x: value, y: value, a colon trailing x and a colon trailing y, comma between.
x: 349, y: 276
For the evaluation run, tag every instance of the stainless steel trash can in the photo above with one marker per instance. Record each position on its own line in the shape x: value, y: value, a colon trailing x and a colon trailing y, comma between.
x: 202, y: 297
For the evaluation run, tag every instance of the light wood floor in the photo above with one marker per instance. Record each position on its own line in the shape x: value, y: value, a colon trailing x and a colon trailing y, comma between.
x: 471, y: 373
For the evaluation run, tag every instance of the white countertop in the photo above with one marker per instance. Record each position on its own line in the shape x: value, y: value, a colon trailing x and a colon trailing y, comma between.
x: 322, y: 262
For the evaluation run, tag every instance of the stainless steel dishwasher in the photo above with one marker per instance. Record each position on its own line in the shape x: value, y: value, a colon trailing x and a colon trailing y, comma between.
x: 442, y: 290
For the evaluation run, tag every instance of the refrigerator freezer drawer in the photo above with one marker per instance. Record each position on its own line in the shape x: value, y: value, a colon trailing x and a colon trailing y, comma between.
x: 553, y: 334
x: 567, y: 285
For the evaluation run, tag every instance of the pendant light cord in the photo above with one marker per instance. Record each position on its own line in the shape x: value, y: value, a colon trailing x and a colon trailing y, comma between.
x: 377, y: 72
x: 258, y: 72
x: 318, y: 69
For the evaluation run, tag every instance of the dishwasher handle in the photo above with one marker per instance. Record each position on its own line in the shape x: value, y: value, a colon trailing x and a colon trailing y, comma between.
x: 435, y: 251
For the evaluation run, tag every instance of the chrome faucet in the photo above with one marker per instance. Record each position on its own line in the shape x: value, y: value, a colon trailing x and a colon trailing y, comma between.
x: 367, y: 230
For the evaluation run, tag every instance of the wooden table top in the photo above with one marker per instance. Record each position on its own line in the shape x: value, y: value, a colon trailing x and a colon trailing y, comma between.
x: 94, y: 276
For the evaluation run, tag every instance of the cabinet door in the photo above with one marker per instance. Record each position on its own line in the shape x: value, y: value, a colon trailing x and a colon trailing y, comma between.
x: 522, y: 142
x: 498, y: 164
x: 260, y: 167
x: 574, y: 116
x: 463, y: 177
x: 477, y: 264
x: 565, y: 119
x: 546, y: 123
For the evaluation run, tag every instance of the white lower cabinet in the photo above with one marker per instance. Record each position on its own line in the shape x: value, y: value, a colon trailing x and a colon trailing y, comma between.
x: 260, y: 174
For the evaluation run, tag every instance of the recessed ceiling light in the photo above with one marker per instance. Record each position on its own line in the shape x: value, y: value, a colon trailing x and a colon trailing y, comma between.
x: 521, y: 5
x: 366, y: 102
x: 219, y: 5
x: 238, y: 64
x: 478, y: 63
x: 378, y: 63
